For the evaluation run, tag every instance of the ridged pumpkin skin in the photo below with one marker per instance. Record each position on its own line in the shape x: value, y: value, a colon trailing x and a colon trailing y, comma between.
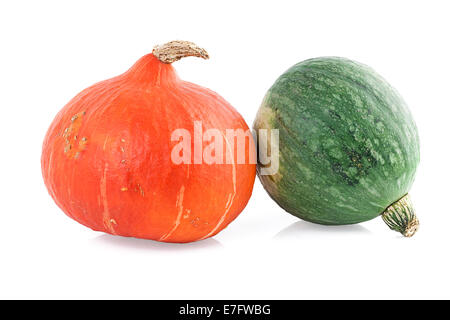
x: 348, y: 145
x: 106, y: 158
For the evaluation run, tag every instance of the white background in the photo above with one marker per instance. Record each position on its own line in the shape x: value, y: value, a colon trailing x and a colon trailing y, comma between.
x: 51, y: 50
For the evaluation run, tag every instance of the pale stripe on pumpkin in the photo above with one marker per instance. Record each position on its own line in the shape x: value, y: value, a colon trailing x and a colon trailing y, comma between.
x: 230, y: 196
x: 107, y: 221
x: 179, y: 205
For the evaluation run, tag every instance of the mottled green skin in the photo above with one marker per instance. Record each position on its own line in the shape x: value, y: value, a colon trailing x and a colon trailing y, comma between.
x: 349, y: 146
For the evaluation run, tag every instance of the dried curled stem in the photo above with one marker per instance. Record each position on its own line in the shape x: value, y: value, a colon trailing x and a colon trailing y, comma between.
x: 400, y: 216
x: 175, y: 50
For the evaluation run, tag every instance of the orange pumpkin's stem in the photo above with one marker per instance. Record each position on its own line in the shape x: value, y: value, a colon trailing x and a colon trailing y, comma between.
x: 175, y: 50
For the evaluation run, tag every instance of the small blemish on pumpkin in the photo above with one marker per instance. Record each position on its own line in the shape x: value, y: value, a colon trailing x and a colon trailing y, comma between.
x: 195, y: 222
x: 123, y: 161
x: 70, y: 136
x: 123, y: 140
x: 141, y: 191
x: 124, y: 189
x: 67, y: 148
x: 122, y: 149
x: 113, y: 221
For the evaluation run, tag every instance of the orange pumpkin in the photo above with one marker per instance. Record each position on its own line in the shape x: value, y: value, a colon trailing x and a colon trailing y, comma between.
x: 107, y: 157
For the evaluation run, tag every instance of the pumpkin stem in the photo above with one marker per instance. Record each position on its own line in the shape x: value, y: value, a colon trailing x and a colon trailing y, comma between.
x: 400, y: 216
x: 175, y: 50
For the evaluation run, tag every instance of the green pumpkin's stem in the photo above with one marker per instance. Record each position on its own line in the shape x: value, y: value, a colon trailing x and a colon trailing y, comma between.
x: 400, y: 216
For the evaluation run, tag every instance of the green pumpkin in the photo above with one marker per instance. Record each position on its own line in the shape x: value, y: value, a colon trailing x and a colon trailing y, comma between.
x: 348, y: 145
